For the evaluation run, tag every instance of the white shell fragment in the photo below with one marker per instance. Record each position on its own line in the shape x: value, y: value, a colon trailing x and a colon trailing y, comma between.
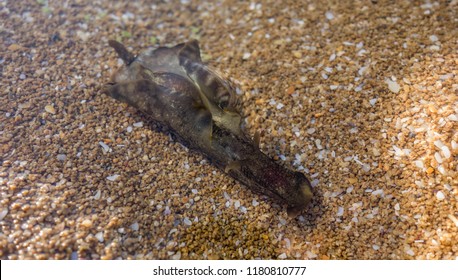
x: 340, y: 211
x: 97, y: 195
x: 329, y: 15
x: 187, y: 222
x: 99, y: 236
x: 440, y: 195
x: 393, y: 86
x: 113, y: 177
x: 3, y: 213
x: 176, y: 256
x: 105, y: 147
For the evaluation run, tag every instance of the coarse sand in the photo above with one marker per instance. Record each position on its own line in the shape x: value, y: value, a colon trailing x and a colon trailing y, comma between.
x: 361, y: 96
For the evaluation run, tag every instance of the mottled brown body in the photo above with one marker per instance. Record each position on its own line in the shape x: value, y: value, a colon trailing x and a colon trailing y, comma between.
x: 175, y: 88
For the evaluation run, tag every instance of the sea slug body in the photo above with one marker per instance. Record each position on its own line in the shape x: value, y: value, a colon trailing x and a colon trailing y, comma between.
x: 178, y: 90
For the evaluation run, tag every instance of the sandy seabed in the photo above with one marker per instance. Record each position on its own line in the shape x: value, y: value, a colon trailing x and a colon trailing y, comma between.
x: 361, y: 96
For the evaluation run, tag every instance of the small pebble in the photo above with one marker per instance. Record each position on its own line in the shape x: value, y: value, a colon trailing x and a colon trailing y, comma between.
x: 113, y: 177
x: 236, y: 204
x: 409, y: 252
x: 97, y: 195
x: 50, y: 109
x: 187, y: 222
x: 3, y: 213
x: 419, y: 164
x: 446, y: 152
x: 393, y: 86
x: 177, y: 256
x: 61, y: 157
x: 433, y: 38
x: 440, y: 195
x: 134, y: 226
x: 329, y: 15
x: 87, y: 223
x: 105, y: 147
x: 454, y: 219
x: 311, y: 255
x: 99, y: 236
x: 378, y: 192
x: 282, y: 256
x: 340, y: 211
x: 297, y: 54
x: 74, y: 256
x: 352, y: 180
x: 14, y: 47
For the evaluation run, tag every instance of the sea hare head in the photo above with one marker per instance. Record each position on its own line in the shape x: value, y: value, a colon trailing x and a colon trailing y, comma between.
x: 303, y: 195
x: 268, y: 177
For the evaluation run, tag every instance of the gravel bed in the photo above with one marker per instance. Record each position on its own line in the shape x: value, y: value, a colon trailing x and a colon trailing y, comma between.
x: 362, y: 96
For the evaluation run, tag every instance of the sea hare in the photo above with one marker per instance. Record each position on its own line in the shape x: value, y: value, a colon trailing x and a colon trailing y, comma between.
x: 175, y: 88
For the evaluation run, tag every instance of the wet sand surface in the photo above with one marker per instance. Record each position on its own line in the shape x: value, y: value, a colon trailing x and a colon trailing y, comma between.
x: 362, y: 97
